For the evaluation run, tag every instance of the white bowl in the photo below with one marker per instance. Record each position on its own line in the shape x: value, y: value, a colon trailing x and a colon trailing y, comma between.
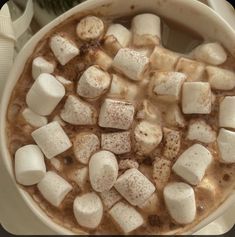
x: 191, y: 14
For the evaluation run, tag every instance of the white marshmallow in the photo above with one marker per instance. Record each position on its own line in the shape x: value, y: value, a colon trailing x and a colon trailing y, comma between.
x: 147, y: 137
x: 211, y: 53
x: 131, y: 63
x: 78, y: 112
x: 128, y: 164
x: 174, y: 117
x: 57, y: 164
x: 196, y: 98
x: 116, y: 114
x: 126, y: 217
x: 193, y: 69
x: 63, y: 49
x: 54, y: 188
x: 134, y: 187
x: 192, y: 164
x: 227, y: 112
x: 118, y: 142
x: 93, y: 83
x: 52, y: 139
x: 45, y: 94
x: 88, y: 210
x: 29, y: 165
x: 199, y: 130
x: 151, y: 205
x: 163, y: 59
x: 34, y: 119
x: 226, y: 141
x: 220, y: 79
x: 103, y: 171
x: 180, y: 201
x: 41, y: 65
x: 84, y: 145
x: 146, y: 29
x: 90, y: 28
x: 110, y: 198
x: 79, y: 176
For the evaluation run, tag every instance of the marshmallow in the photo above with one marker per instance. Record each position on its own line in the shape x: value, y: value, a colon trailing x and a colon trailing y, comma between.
x: 226, y: 141
x: 45, y: 94
x: 220, y: 79
x: 199, y: 130
x: 34, y: 119
x: 66, y: 83
x: 78, y: 112
x: 146, y: 29
x: 79, y: 176
x: 52, y: 139
x: 211, y: 53
x: 126, y: 217
x: 192, y: 164
x: 103, y: 171
x: 147, y: 137
x: 110, y: 198
x: 193, y: 69
x: 180, y: 202
x: 196, y: 98
x: 131, y: 63
x: 174, y: 117
x: 63, y: 49
x: 227, y: 112
x: 151, y: 205
x: 144, y: 51
x: 163, y: 59
x: 161, y: 172
x: 54, y: 188
x: 93, y: 83
x: 167, y: 85
x: 90, y: 28
x: 172, y: 142
x: 88, y: 210
x: 128, y: 164
x: 84, y: 145
x: 29, y: 165
x: 134, y: 187
x: 116, y: 114
x: 57, y: 164
x: 118, y: 142
x: 58, y: 119
x: 41, y: 65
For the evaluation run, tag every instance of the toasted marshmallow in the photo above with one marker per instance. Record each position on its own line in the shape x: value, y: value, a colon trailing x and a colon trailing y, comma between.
x: 57, y: 164
x: 167, y: 85
x: 193, y: 69
x: 172, y: 142
x: 118, y: 142
x: 78, y: 112
x: 110, y: 198
x: 147, y: 137
x: 200, y: 131
x: 30, y: 167
x: 103, y: 171
x: 211, y: 53
x: 225, y: 142
x: 193, y: 163
x: 84, y: 145
x: 131, y: 63
x: 79, y: 176
x: 180, y: 202
x: 126, y: 217
x: 58, y: 119
x: 88, y: 210
x: 54, y: 188
x: 134, y: 187
x: 128, y: 164
x: 90, y: 28
x: 93, y: 83
x: 196, y: 98
x: 174, y: 117
x: 227, y: 112
x: 63, y: 49
x: 151, y: 205
x: 163, y: 59
x: 220, y: 79
x: 116, y: 114
x: 45, y: 94
x: 34, y: 119
x: 41, y: 65
x: 52, y: 139
x: 161, y: 172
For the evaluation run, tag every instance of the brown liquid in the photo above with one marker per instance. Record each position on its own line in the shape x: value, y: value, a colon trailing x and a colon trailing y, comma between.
x: 19, y: 134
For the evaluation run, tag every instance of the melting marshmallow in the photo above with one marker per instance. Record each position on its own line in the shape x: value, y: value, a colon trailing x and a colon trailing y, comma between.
x: 80, y: 177
x: 174, y: 117
x: 151, y: 205
x: 110, y: 198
